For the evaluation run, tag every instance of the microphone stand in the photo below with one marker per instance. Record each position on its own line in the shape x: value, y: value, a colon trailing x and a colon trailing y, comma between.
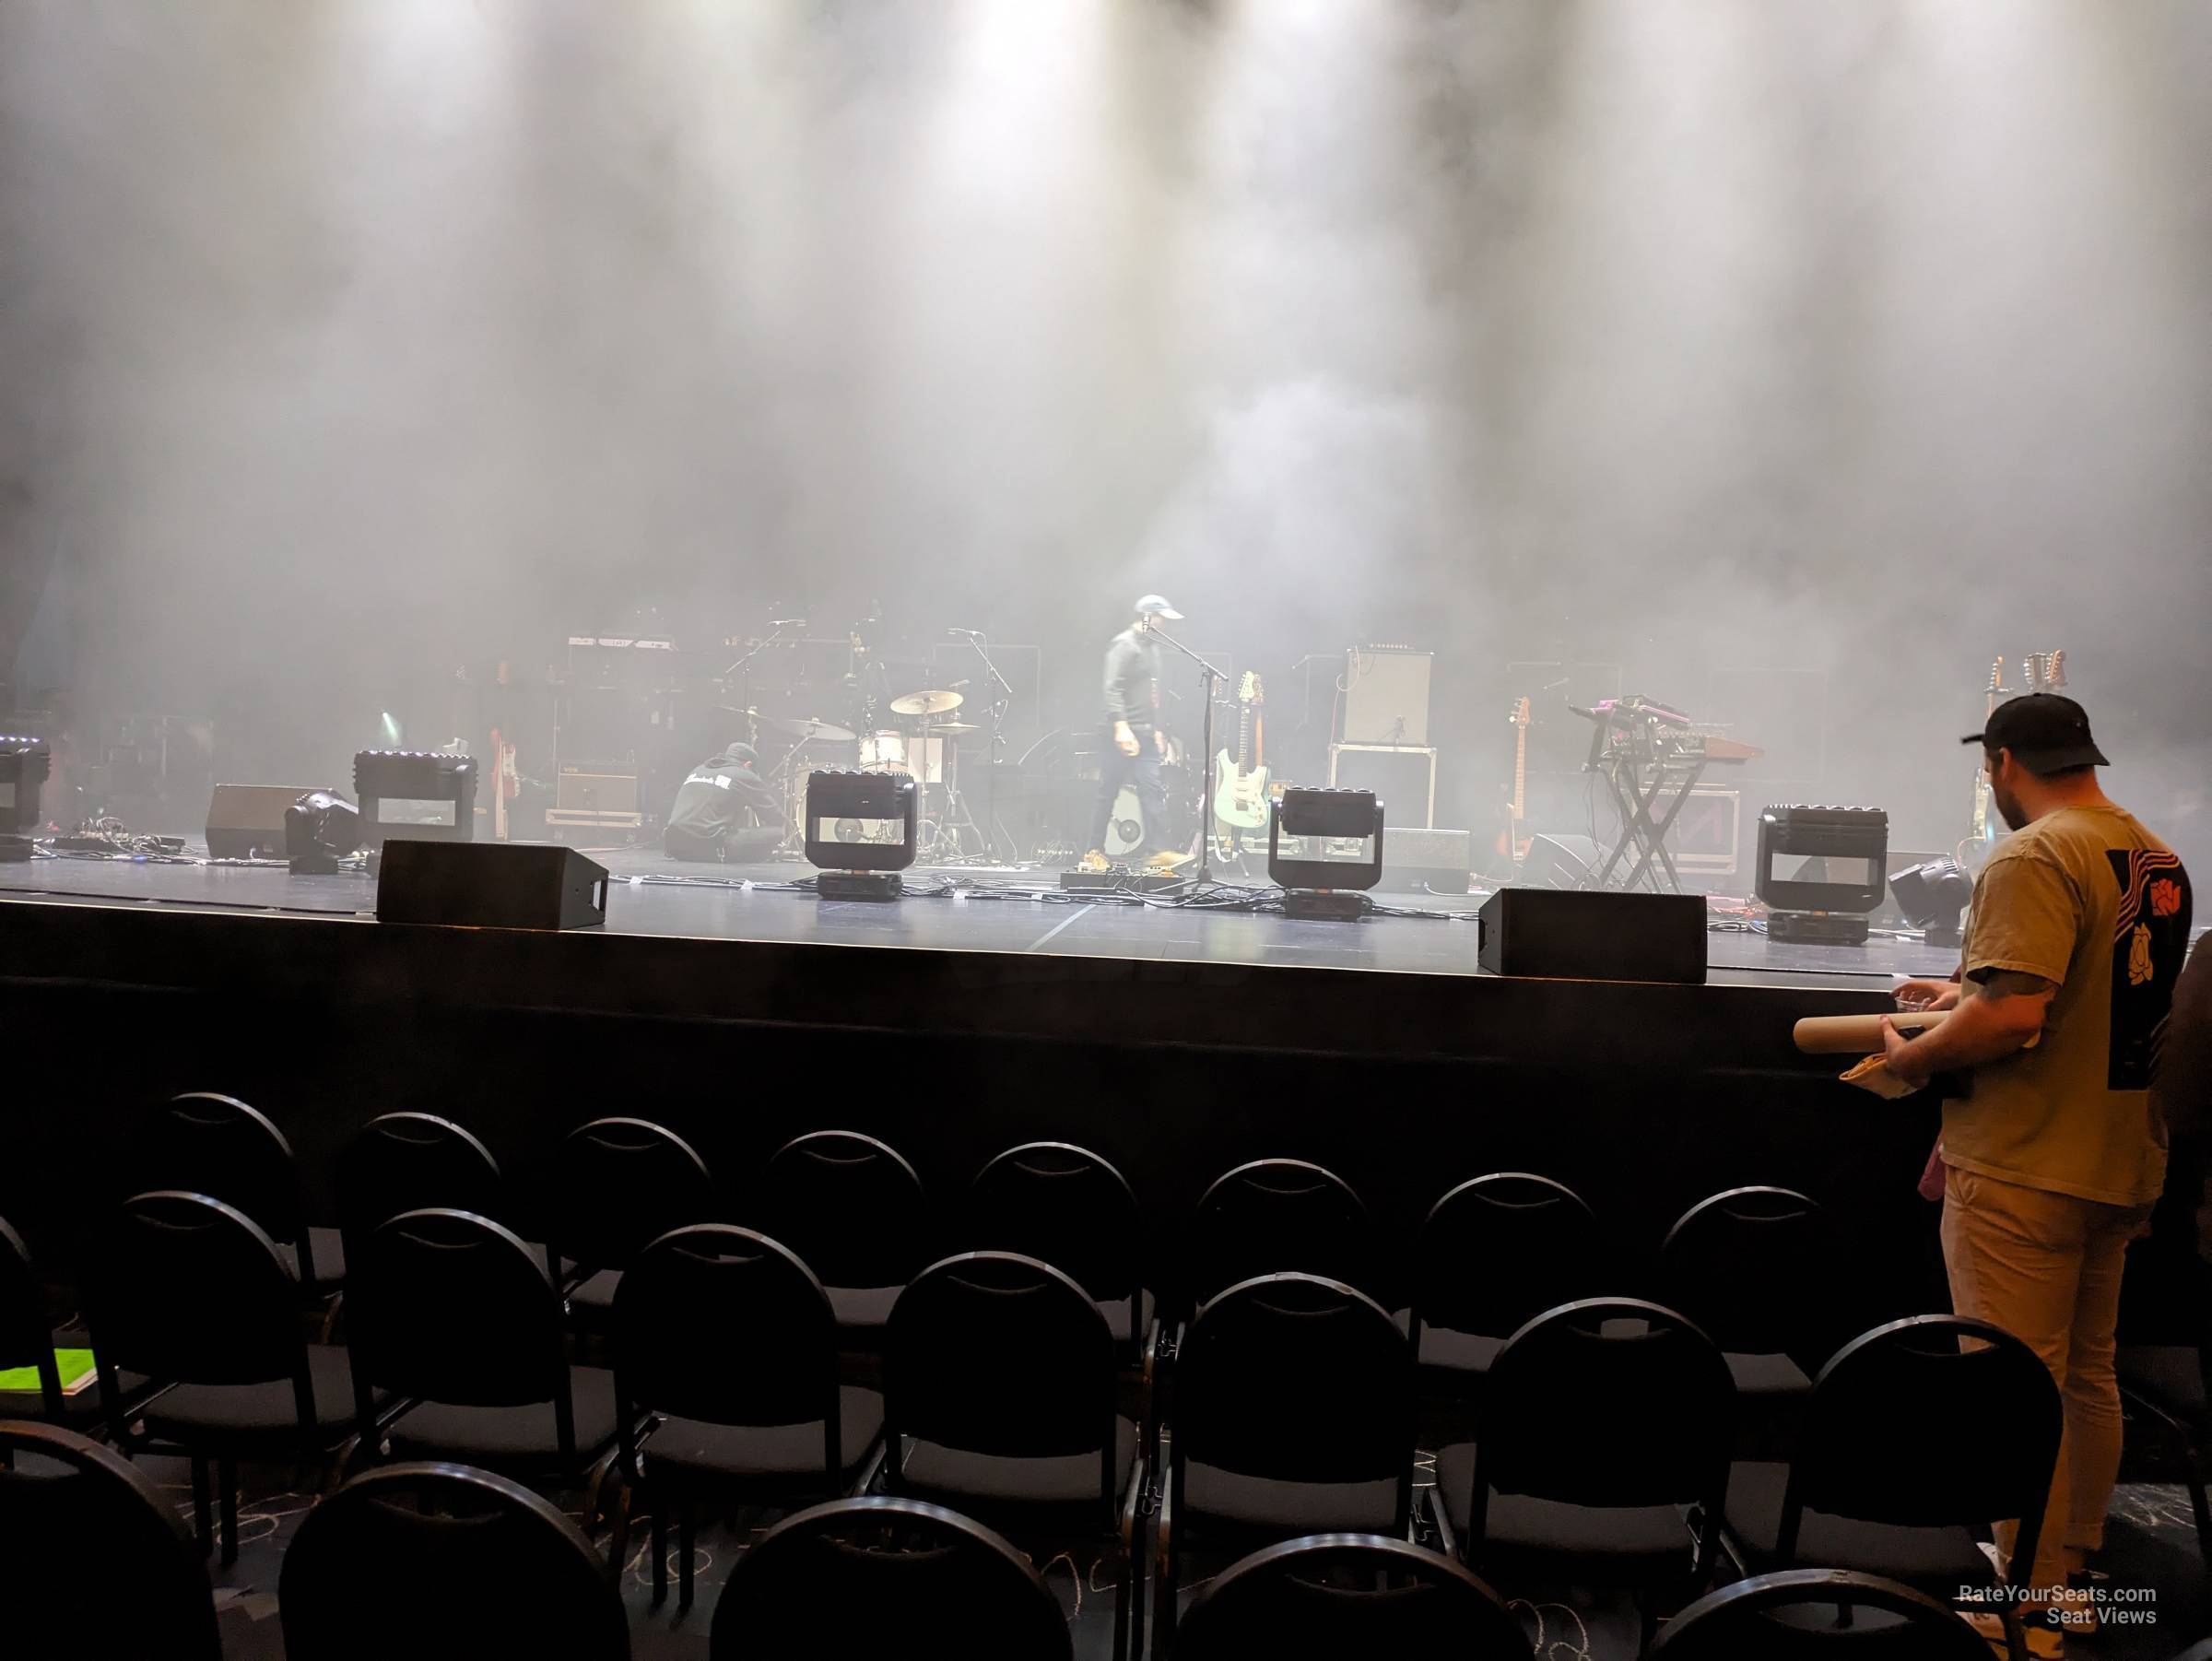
x: 1207, y: 674
x: 743, y: 668
x: 1001, y: 697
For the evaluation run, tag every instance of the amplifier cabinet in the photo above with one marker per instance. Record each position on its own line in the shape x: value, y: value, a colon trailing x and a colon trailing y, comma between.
x: 1402, y: 777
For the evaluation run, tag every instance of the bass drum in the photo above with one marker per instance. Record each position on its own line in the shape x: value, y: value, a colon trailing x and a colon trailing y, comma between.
x: 883, y: 752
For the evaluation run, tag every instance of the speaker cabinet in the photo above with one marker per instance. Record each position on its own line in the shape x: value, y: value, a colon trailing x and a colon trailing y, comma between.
x: 490, y: 885
x: 1595, y: 937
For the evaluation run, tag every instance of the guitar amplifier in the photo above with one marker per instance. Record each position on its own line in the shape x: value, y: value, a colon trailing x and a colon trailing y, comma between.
x: 598, y: 790
x: 1707, y: 834
x: 1387, y: 696
x: 246, y: 821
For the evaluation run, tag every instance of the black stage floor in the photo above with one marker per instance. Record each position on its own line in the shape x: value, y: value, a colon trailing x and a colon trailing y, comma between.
x: 952, y: 909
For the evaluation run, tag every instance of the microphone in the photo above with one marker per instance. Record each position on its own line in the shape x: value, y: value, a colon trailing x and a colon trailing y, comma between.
x: 1586, y: 714
x: 970, y: 633
x: 787, y: 622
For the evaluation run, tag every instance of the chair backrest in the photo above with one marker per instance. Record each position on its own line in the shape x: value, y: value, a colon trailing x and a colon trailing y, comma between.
x: 1499, y: 1250
x: 617, y: 1183
x: 1337, y: 1594
x: 856, y: 1580
x: 1273, y: 1217
x: 1817, y: 1615
x: 1750, y: 1268
x: 447, y: 1563
x: 994, y: 1353
x: 26, y: 1337
x: 1608, y: 1401
x: 1066, y: 1205
x: 183, y: 1287
x: 848, y: 1206
x: 203, y: 1143
x: 1880, y: 1440
x: 453, y: 1307
x: 407, y: 1161
x: 722, y: 1325
x: 96, y: 1561
x: 1296, y: 1378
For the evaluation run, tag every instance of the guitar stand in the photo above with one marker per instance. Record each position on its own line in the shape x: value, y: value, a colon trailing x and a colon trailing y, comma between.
x: 1638, y: 827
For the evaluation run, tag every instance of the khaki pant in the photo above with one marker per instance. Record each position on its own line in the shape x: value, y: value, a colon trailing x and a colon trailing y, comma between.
x: 2046, y: 1269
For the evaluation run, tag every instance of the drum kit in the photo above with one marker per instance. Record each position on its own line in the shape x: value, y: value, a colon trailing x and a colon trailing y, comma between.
x: 924, y: 746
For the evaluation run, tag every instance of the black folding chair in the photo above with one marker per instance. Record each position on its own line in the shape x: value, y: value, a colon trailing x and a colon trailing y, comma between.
x: 28, y: 1340
x: 1817, y: 1615
x: 1067, y: 1207
x: 1601, y: 1420
x: 455, y: 1313
x: 999, y: 1401
x: 1916, y: 1434
x: 203, y: 1143
x: 1495, y: 1253
x: 857, y: 1580
x: 1754, y: 1268
x: 1333, y: 1595
x: 440, y: 1562
x: 855, y: 1212
x: 94, y: 1559
x: 407, y: 1161
x: 617, y: 1183
x: 1293, y: 1415
x: 190, y: 1291
x: 725, y: 1347
x: 1271, y: 1217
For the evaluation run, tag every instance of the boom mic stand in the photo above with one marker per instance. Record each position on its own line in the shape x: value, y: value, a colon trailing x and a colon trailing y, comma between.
x: 1207, y: 676
x: 1002, y: 699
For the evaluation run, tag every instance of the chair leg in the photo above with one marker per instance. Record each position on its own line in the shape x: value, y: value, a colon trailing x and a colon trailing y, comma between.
x: 2201, y: 1512
x: 202, y: 1518
x: 660, y: 1549
x: 687, y: 1531
x: 226, y: 1474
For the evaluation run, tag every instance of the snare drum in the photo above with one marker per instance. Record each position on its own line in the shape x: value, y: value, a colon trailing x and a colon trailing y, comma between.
x: 883, y: 752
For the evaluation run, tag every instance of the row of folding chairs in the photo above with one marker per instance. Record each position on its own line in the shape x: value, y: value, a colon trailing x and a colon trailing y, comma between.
x: 1602, y: 1426
x: 441, y: 1562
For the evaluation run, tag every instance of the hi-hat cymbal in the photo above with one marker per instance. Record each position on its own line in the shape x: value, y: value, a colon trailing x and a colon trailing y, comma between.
x: 928, y: 703
x: 952, y: 728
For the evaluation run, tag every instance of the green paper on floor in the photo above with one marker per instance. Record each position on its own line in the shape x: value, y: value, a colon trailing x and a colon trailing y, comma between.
x: 76, y: 1367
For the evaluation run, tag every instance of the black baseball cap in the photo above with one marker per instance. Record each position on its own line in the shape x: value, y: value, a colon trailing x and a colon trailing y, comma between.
x: 2046, y: 734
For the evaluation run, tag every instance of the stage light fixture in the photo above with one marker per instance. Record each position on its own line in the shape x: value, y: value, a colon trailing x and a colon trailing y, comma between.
x: 1931, y: 895
x: 25, y: 764
x: 1346, y: 827
x: 1820, y: 871
x: 425, y: 795
x: 872, y: 818
x: 319, y: 829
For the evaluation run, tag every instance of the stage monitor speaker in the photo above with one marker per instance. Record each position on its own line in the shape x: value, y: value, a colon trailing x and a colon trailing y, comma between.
x: 490, y: 885
x: 246, y: 821
x: 1435, y: 860
x: 1595, y: 937
x: 1559, y: 862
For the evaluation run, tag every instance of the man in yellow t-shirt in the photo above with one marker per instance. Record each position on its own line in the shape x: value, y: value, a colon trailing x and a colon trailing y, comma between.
x: 2077, y: 932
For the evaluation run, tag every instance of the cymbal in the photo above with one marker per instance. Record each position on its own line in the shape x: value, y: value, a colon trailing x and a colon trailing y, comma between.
x: 954, y: 728
x: 928, y: 703
x: 787, y: 727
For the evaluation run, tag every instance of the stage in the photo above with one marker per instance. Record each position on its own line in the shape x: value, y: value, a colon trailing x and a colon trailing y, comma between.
x: 998, y: 910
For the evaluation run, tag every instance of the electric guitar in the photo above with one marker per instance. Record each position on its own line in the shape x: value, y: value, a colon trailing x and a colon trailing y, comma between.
x: 1241, y: 782
x: 1510, y: 843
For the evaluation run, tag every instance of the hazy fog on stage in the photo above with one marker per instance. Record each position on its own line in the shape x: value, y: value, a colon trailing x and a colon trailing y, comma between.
x: 1784, y: 365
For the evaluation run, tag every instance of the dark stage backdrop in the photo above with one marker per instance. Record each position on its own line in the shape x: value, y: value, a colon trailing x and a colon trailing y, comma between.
x: 1792, y: 361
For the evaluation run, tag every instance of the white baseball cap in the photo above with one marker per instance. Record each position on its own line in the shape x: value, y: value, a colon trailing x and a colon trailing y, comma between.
x: 1154, y: 605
